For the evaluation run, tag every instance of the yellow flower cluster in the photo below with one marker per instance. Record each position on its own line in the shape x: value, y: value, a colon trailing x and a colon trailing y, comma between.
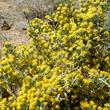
x: 64, y: 66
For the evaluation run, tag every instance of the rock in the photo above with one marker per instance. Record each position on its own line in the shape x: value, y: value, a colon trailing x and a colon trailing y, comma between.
x: 5, y: 26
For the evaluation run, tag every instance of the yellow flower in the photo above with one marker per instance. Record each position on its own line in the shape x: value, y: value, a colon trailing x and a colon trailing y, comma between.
x: 60, y: 89
x: 100, y: 108
x: 87, y: 81
x: 57, y: 107
x: 105, y: 108
x: 84, y: 105
x: 45, y: 103
x: 11, y: 58
x: 47, y: 17
x: 32, y: 105
x: 92, y: 103
x: 3, y: 61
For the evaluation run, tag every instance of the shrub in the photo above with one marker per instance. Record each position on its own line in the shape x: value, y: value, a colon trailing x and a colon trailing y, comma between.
x: 65, y: 65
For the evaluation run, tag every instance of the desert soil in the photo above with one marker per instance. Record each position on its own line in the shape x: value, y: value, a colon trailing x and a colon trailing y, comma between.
x: 11, y: 11
x: 16, y: 21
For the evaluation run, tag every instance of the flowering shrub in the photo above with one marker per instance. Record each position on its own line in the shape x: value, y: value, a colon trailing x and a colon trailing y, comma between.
x: 65, y: 65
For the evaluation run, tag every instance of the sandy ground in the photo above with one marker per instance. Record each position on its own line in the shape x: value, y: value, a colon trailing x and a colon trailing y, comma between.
x: 11, y: 11
x: 16, y: 21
